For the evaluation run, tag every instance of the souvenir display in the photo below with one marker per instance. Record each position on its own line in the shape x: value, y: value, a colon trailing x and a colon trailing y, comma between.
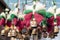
x: 34, y: 23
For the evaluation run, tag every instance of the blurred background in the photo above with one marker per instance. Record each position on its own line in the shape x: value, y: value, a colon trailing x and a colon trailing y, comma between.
x: 23, y: 2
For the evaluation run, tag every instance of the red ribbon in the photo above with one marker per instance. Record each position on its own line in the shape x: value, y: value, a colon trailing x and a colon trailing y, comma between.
x: 28, y: 17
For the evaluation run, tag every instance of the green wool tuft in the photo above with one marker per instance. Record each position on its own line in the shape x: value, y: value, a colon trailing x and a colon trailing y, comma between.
x: 27, y: 11
x: 42, y: 12
x: 2, y: 17
x: 44, y: 22
x: 48, y: 14
x: 10, y: 19
x: 55, y: 20
x: 58, y: 14
x: 13, y: 16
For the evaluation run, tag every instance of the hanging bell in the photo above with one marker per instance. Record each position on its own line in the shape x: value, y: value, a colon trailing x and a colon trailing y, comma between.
x: 19, y: 36
x: 26, y: 36
x: 13, y: 33
x: 3, y: 32
x: 51, y: 35
x: 44, y: 34
x: 30, y: 31
x: 33, y: 23
x: 39, y: 32
x: 12, y: 38
x: 56, y: 30
x: 9, y: 33
x: 44, y: 28
x: 34, y: 32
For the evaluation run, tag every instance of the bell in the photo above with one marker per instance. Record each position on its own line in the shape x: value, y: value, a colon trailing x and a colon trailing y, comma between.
x: 19, y: 36
x: 3, y: 32
x: 33, y: 23
x: 12, y: 38
x: 23, y: 35
x: 51, y: 35
x: 30, y: 31
x: 44, y: 28
x: 44, y: 35
x: 56, y: 29
x: 9, y: 33
x: 13, y: 33
x: 26, y: 36
x: 39, y: 33
x: 34, y: 32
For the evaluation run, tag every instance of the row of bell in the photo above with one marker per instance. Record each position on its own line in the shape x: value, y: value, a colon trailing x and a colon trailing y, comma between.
x: 13, y: 32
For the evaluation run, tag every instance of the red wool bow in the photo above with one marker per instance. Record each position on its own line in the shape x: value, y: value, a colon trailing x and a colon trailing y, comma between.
x: 58, y: 20
x: 50, y: 22
x: 2, y: 21
x: 28, y: 17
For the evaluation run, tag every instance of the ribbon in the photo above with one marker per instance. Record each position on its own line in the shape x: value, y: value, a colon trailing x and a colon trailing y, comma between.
x: 28, y: 17
x: 2, y: 21
x: 58, y: 20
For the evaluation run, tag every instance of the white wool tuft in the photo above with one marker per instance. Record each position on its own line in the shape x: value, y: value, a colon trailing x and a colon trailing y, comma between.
x: 33, y: 18
x: 16, y: 10
x: 56, y: 27
x: 3, y: 14
x: 52, y: 9
x: 34, y: 3
x: 39, y: 6
x: 6, y: 9
x: 21, y: 16
x: 8, y: 16
x: 13, y: 12
x: 15, y: 4
x: 58, y: 11
x: 28, y: 7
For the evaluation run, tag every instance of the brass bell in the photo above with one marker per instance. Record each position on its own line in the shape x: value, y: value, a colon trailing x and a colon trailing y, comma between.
x: 9, y: 33
x: 34, y: 31
x: 33, y: 23
x: 51, y: 35
x: 3, y: 32
x: 19, y: 36
x: 44, y: 35
x: 44, y: 28
x: 56, y: 29
x: 13, y: 33
x: 12, y: 38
